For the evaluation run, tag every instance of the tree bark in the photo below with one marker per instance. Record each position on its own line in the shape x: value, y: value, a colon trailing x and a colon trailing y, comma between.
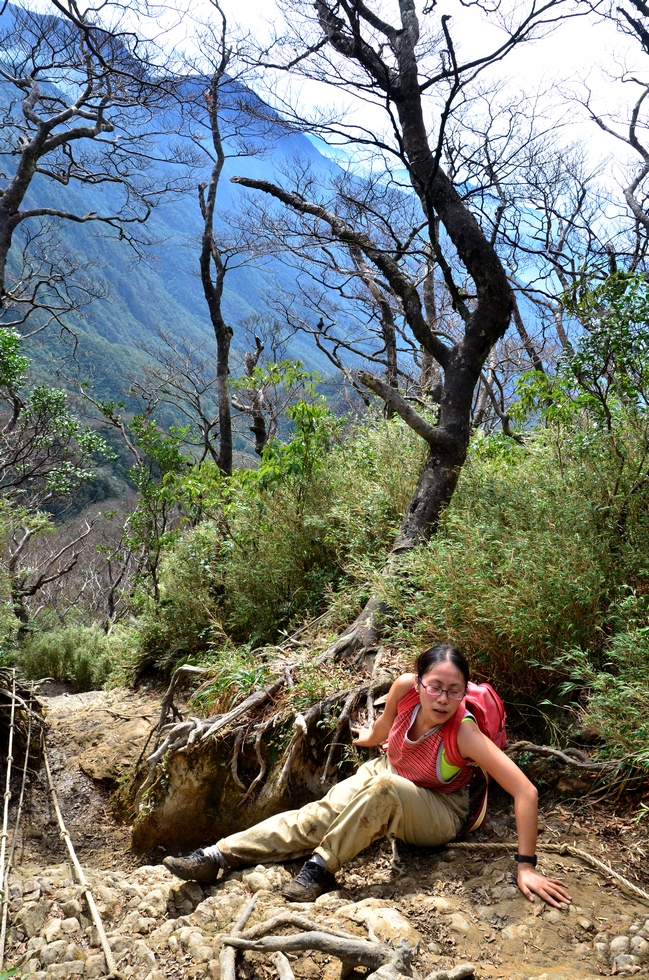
x: 490, y: 316
x: 213, y: 285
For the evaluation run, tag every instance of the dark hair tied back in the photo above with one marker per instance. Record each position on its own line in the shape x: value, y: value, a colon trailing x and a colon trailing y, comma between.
x: 442, y: 653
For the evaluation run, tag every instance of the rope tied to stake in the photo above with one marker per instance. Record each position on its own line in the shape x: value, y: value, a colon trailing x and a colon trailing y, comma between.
x: 111, y: 965
x: 9, y: 864
x: 4, y: 878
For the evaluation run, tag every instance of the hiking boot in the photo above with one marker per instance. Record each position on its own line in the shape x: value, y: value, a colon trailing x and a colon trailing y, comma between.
x: 197, y: 867
x: 312, y: 880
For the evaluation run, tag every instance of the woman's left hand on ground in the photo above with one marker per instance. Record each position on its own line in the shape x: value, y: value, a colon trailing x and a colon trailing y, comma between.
x: 363, y: 734
x: 551, y: 890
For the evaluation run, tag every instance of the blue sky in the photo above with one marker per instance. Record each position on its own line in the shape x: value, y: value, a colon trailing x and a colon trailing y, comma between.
x: 579, y: 52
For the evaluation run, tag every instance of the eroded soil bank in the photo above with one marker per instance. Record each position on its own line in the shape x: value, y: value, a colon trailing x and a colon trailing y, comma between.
x: 451, y: 907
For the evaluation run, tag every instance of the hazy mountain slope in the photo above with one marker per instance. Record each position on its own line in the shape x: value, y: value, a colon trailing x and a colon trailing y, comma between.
x: 161, y: 290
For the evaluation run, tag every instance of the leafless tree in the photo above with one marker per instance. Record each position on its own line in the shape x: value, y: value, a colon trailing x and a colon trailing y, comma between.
x: 546, y: 211
x: 410, y: 70
x: 179, y: 384
x: 30, y: 573
x: 552, y: 219
x: 180, y: 375
x: 223, y: 120
x: 82, y: 107
x: 632, y: 131
x: 340, y: 298
x: 96, y: 586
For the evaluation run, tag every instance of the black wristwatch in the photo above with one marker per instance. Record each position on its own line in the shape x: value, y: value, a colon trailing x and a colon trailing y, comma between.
x: 526, y: 859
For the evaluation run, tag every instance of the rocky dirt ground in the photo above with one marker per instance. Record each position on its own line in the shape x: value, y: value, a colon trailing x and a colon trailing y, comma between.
x: 451, y: 908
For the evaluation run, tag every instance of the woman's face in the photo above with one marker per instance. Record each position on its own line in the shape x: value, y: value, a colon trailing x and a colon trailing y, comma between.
x: 449, y: 679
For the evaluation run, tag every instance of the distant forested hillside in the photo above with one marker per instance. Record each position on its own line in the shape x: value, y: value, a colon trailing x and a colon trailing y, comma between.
x: 160, y: 290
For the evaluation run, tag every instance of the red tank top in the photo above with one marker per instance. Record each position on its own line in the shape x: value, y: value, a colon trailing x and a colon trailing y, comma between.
x: 423, y: 762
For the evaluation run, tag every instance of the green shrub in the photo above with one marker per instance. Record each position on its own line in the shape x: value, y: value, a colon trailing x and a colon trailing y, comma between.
x: 184, y: 625
x: 614, y: 696
x: 82, y: 656
x: 282, y: 541
x: 291, y: 550
x: 519, y: 569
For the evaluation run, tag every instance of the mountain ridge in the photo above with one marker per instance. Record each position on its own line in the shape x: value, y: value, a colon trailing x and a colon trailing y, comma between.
x: 161, y: 291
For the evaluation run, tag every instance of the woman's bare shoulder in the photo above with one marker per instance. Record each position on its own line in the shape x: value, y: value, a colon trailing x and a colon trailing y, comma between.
x: 403, y: 684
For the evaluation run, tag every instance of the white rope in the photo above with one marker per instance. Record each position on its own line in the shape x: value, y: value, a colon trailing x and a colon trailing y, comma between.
x: 557, y: 849
x: 110, y: 960
x: 5, y: 904
x: 5, y: 819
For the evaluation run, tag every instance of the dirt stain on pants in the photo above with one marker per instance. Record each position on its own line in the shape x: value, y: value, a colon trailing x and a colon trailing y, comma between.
x: 375, y: 801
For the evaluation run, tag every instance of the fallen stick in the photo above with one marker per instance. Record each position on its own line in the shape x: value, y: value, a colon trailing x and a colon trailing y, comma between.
x: 4, y: 880
x: 594, y: 862
x: 566, y: 756
x: 78, y: 870
x: 227, y: 956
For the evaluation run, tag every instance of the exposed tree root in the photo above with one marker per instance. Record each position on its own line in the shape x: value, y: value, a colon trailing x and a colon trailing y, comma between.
x: 571, y: 757
x: 342, y: 726
x: 227, y: 957
x: 291, y: 919
x: 389, y: 963
x: 282, y: 966
x: 458, y: 972
x: 263, y: 765
x: 386, y: 962
x: 234, y: 763
x: 361, y: 638
x: 167, y: 706
x: 304, y: 724
x: 353, y: 952
x: 180, y: 737
x: 173, y: 738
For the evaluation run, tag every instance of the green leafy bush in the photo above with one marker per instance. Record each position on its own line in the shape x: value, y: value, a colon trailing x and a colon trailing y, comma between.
x: 279, y: 542
x: 296, y: 543
x: 614, y: 695
x: 520, y: 567
x: 185, y: 623
x: 82, y: 656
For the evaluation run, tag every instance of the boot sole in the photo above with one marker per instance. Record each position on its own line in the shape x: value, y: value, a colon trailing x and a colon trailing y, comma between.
x: 207, y: 878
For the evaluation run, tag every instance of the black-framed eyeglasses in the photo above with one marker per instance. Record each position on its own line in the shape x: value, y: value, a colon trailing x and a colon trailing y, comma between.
x: 436, y: 692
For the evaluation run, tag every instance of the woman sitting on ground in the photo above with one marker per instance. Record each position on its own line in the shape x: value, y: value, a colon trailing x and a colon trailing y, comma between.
x: 412, y: 792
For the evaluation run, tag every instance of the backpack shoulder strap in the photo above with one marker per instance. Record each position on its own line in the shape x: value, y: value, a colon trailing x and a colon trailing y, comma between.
x: 451, y: 728
x: 453, y: 756
x: 499, y: 737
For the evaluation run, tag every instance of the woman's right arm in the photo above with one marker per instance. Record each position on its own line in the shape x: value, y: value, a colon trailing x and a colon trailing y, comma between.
x: 377, y: 734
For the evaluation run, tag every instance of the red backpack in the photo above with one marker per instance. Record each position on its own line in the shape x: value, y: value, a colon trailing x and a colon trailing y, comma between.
x: 489, y: 712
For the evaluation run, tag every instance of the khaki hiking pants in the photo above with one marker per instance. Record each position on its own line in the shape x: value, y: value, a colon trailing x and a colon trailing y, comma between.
x: 375, y: 801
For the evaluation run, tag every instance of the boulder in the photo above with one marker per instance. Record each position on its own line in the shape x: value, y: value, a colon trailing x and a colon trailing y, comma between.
x: 619, y: 946
x: 31, y: 917
x: 382, y: 922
